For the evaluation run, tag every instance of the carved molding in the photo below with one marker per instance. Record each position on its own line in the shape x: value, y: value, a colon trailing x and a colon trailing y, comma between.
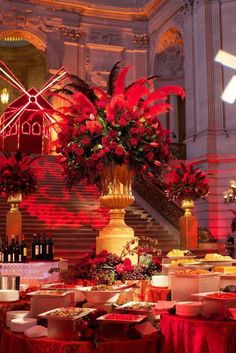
x: 188, y: 6
x: 105, y: 38
x: 140, y: 41
x: 71, y: 33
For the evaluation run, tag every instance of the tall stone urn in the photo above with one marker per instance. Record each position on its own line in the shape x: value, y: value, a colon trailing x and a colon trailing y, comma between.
x: 116, y: 184
x: 188, y: 225
x: 14, y: 217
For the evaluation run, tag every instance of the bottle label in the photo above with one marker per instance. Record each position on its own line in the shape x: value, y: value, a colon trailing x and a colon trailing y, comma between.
x: 1, y: 256
x: 41, y: 249
x: 36, y: 250
x: 9, y: 257
x: 47, y: 249
x: 13, y: 258
x: 20, y: 258
x: 25, y: 252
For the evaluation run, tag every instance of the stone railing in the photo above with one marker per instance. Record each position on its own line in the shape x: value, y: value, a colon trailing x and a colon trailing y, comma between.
x: 171, y: 211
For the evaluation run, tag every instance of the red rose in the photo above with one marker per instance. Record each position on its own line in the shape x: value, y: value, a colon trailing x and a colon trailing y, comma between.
x: 133, y: 141
x: 85, y: 141
x: 83, y: 128
x: 123, y: 121
x: 119, y: 150
x: 157, y: 163
x: 149, y: 156
x: 120, y: 268
x: 93, y: 126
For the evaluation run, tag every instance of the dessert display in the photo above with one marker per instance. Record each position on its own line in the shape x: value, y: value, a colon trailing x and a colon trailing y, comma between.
x: 179, y: 253
x: 138, y: 306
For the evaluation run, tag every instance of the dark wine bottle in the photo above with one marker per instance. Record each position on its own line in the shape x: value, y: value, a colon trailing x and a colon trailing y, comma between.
x: 11, y: 254
x: 5, y: 252
x: 51, y: 248
x: 33, y: 247
x: 23, y: 250
x: 16, y: 252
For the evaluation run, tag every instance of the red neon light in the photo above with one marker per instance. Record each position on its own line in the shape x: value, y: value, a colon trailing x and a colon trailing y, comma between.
x: 31, y: 101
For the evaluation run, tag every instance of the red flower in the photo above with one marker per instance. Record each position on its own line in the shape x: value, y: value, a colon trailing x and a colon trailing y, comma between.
x: 119, y: 150
x: 133, y: 141
x: 85, y: 140
x: 93, y: 126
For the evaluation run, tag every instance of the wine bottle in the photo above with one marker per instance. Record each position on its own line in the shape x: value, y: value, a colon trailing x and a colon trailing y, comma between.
x: 33, y: 246
x: 23, y: 249
x: 51, y: 249
x: 5, y: 252
x: 40, y: 247
x: 44, y: 245
x: 1, y: 250
x: 16, y: 252
x: 11, y: 254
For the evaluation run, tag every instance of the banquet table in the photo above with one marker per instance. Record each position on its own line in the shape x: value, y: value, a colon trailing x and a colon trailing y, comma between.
x: 191, y: 335
x: 19, y: 343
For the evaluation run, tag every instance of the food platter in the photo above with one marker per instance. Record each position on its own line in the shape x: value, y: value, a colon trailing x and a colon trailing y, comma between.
x: 68, y: 313
x: 122, y: 318
x: 50, y: 293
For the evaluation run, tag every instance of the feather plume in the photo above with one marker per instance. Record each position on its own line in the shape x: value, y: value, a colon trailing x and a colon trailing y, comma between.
x: 120, y: 81
x: 163, y: 92
x: 135, y: 94
x: 112, y: 78
x: 82, y: 101
x: 159, y: 108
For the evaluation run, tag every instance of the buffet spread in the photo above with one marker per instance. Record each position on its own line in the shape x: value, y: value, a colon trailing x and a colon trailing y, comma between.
x: 201, y: 288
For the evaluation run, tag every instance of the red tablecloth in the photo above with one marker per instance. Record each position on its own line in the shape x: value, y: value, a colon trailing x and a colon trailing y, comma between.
x: 188, y: 335
x: 158, y: 293
x: 8, y: 306
x: 18, y: 343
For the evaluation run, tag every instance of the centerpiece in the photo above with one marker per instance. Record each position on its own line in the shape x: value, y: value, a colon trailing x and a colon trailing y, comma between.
x: 187, y: 184
x: 107, y: 137
x: 17, y: 179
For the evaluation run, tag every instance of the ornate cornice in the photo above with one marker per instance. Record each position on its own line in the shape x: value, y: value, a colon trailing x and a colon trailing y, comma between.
x: 118, y: 12
x: 140, y: 41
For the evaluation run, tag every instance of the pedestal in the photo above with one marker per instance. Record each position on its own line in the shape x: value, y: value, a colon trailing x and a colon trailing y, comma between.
x: 188, y: 232
x: 14, y: 218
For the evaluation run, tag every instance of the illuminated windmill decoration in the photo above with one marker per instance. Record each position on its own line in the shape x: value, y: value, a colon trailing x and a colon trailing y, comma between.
x: 20, y: 125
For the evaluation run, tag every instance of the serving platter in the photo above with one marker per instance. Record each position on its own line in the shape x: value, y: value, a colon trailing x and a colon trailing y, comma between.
x: 122, y: 318
x: 50, y: 293
x: 68, y: 313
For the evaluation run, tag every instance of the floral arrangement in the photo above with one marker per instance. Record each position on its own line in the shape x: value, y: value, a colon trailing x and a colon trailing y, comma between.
x: 106, y: 268
x: 187, y: 182
x: 16, y: 174
x: 116, y: 126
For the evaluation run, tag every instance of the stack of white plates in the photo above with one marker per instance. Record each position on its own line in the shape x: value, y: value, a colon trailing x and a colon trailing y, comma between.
x: 20, y: 325
x: 16, y: 314
x: 160, y: 281
x: 189, y: 308
x: 8, y: 295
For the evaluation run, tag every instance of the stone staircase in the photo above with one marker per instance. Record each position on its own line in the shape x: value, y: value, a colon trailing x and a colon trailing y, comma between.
x: 73, y: 217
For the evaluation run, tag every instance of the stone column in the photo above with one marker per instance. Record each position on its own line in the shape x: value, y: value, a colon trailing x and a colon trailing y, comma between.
x: 210, y: 128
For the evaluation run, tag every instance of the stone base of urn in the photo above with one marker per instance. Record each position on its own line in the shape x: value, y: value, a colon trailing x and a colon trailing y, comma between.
x: 116, y: 195
x: 188, y: 225
x: 14, y: 218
